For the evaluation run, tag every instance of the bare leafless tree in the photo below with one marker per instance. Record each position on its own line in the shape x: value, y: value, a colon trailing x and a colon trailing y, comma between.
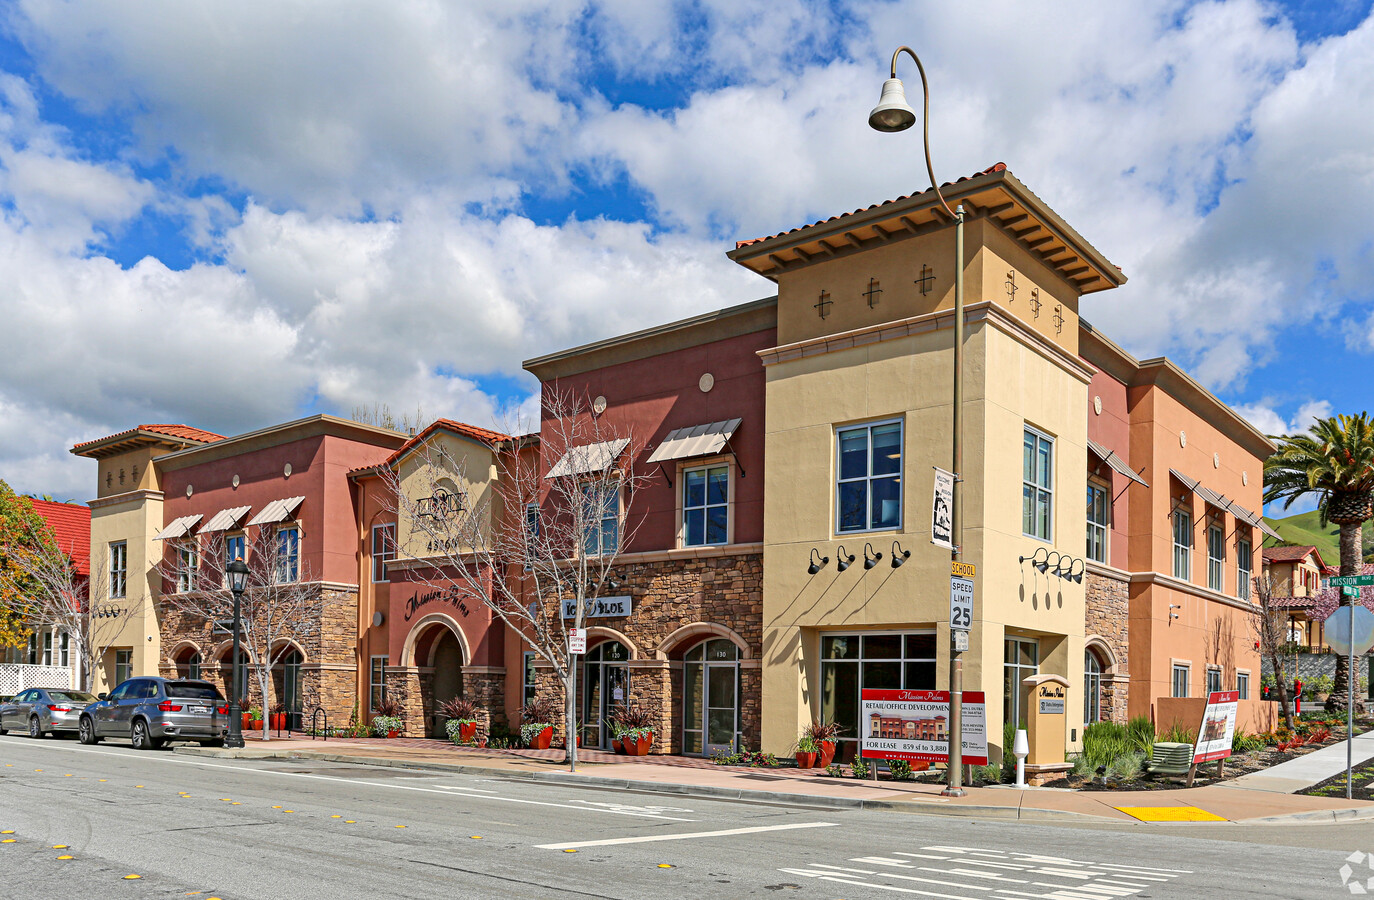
x: 535, y: 538
x: 58, y: 598
x: 281, y: 605
x: 1271, y: 632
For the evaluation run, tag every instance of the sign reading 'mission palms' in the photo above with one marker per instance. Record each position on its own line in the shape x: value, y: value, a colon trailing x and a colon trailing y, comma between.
x: 914, y: 725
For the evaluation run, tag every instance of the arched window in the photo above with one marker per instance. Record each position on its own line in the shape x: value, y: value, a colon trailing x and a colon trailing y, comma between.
x: 193, y: 666
x: 1092, y: 688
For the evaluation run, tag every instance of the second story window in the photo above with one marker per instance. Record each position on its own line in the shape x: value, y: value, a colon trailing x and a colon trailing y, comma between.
x: 187, y: 560
x: 705, y: 506
x: 869, y: 484
x: 1216, y: 556
x: 1243, y: 569
x: 288, y: 554
x: 234, y: 549
x: 601, y: 517
x: 383, y: 550
x: 1099, y: 502
x: 1037, y: 485
x: 119, y: 569
x: 1183, y: 544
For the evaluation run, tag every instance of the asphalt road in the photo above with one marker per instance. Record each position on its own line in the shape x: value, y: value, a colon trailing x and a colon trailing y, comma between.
x: 297, y: 829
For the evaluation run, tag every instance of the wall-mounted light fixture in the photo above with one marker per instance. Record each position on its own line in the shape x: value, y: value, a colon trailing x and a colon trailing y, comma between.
x: 870, y: 558
x: 843, y: 560
x: 818, y: 562
x: 899, y: 555
x: 1076, y: 569
x: 1035, y: 558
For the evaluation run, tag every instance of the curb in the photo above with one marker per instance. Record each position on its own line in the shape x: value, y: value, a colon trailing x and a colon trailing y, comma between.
x: 744, y: 795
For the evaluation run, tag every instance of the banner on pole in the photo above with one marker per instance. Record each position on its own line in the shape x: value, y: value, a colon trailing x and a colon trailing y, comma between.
x: 942, y: 510
x: 1218, y: 727
x: 914, y: 725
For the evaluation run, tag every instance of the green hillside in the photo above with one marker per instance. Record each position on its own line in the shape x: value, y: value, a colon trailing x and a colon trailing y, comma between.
x: 1305, y: 528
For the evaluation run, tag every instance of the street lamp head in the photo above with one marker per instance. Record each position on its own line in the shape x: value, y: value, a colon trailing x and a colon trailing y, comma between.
x: 892, y: 113
x: 238, y: 575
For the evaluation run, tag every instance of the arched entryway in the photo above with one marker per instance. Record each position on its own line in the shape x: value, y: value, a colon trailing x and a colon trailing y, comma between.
x: 710, y: 698
x: 286, y: 684
x: 436, y: 646
x: 446, y: 659
x: 189, y: 662
x: 605, y: 685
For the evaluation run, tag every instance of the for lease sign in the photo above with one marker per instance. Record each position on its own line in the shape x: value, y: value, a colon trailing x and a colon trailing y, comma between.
x: 1218, y: 727
x: 914, y: 725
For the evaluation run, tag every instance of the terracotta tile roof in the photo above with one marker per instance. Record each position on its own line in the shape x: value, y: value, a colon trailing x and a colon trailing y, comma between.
x: 997, y: 167
x: 180, y: 432
x: 71, y: 525
x: 483, y: 435
x: 1287, y: 554
x: 1365, y: 569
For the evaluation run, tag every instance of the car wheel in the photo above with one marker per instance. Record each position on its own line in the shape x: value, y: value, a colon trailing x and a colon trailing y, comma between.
x: 142, y: 740
x: 35, y: 727
x: 86, y: 732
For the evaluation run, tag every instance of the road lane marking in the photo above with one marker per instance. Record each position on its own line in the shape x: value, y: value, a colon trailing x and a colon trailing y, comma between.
x: 451, y: 791
x: 652, y: 838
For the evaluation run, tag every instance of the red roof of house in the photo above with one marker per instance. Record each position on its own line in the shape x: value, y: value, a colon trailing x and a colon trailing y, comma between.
x: 1365, y: 569
x: 482, y: 435
x: 71, y: 525
x: 996, y: 167
x: 1288, y: 554
x: 180, y: 432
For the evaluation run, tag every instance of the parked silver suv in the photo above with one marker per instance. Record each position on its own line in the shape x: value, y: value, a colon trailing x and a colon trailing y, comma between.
x: 151, y: 711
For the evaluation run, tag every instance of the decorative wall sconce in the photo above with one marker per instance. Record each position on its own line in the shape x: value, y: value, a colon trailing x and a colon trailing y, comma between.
x: 870, y: 558
x: 1035, y: 559
x: 1045, y: 565
x: 1055, y: 563
x: 899, y: 555
x: 843, y: 560
x: 1075, y: 570
x: 818, y: 562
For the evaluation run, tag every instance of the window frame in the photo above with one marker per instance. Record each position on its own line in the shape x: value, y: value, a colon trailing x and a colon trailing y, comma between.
x: 241, y: 538
x: 868, y: 477
x: 1105, y: 526
x: 529, y: 682
x: 376, y: 688
x: 1244, y: 564
x: 1213, y: 679
x: 385, y: 554
x: 124, y: 658
x: 1183, y: 552
x: 600, y: 531
x: 1216, y: 565
x: 706, y: 465
x: 860, y: 658
x: 188, y: 564
x: 1029, y: 430
x: 1020, y: 667
x: 47, y: 648
x: 1186, y: 670
x: 279, y: 556
x: 1092, y: 687
x: 1243, y: 684
x: 119, y: 569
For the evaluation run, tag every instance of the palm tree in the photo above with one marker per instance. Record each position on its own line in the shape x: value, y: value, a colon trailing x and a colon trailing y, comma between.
x: 1335, y: 461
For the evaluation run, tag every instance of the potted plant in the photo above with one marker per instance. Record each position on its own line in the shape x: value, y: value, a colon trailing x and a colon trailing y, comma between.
x: 634, y: 727
x: 824, y: 734
x: 388, y: 722
x: 808, y: 751
x: 278, y: 720
x: 536, y: 723
x: 246, y: 712
x: 461, y: 717
x: 255, y: 718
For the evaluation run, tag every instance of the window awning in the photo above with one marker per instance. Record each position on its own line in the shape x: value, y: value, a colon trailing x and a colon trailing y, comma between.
x: 1254, y: 520
x: 588, y: 458
x: 276, y: 511
x: 1116, y: 463
x: 179, y: 528
x: 225, y: 519
x: 1208, y: 495
x: 695, y: 440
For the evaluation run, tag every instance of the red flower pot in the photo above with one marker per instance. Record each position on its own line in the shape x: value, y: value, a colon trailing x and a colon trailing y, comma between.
x: 255, y: 725
x: 391, y: 733
x: 278, y: 721
x: 617, y: 746
x: 806, y: 760
x: 467, y: 731
x: 643, y: 744
x: 542, y: 739
x: 827, y: 753
x: 247, y: 721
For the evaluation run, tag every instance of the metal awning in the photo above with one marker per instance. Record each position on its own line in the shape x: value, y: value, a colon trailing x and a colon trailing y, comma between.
x: 1207, y: 494
x: 276, y: 511
x: 179, y: 528
x: 695, y: 440
x: 1254, y: 520
x: 225, y: 519
x: 588, y: 458
x: 1117, y: 463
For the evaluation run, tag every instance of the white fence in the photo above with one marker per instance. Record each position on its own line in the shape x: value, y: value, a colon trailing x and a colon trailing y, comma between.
x: 15, y: 677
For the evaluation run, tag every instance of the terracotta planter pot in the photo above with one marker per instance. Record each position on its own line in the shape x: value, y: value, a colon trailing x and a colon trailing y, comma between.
x: 278, y: 722
x: 467, y: 731
x: 542, y: 739
x: 645, y: 743
x: 617, y: 746
x: 639, y: 746
x: 255, y: 725
x: 806, y: 760
x: 247, y: 721
x: 391, y: 733
x: 827, y: 753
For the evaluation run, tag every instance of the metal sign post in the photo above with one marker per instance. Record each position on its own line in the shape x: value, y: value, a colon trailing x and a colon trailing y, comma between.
x: 1359, y: 632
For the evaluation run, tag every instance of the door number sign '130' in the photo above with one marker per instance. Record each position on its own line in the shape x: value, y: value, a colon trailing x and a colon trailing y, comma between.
x: 960, y: 603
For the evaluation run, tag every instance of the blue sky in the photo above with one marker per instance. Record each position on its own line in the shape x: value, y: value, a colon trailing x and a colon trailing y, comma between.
x: 235, y: 214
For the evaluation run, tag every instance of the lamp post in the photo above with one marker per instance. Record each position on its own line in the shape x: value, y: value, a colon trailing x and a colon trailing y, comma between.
x: 238, y: 581
x: 893, y: 114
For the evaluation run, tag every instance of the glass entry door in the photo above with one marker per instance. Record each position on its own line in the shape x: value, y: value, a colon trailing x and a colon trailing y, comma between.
x: 710, y: 707
x: 605, y: 686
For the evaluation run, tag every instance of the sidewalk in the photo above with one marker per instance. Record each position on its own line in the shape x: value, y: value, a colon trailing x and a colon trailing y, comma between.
x: 697, y: 777
x: 1305, y: 771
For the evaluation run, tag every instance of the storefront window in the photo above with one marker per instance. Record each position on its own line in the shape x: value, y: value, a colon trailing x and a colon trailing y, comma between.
x: 852, y: 662
x: 1020, y: 660
x: 1092, y: 688
x: 710, y: 698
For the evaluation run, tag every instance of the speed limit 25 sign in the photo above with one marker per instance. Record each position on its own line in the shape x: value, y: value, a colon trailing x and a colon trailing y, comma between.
x: 960, y: 603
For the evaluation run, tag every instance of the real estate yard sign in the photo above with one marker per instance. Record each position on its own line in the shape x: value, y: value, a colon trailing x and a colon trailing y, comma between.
x: 1218, y: 727
x: 914, y: 725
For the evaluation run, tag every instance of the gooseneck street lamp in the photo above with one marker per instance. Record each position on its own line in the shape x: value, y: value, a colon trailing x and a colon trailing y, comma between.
x: 238, y: 582
x: 893, y: 114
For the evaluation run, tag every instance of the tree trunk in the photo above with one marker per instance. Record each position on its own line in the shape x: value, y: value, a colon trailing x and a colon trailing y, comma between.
x: 1281, y: 682
x: 1351, y: 562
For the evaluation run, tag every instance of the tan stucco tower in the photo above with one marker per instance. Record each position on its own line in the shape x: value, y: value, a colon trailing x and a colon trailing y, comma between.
x: 858, y: 410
